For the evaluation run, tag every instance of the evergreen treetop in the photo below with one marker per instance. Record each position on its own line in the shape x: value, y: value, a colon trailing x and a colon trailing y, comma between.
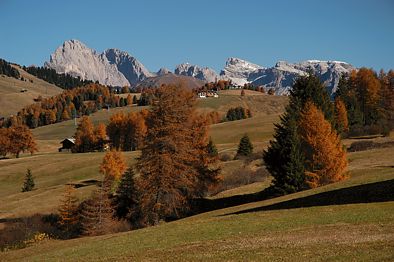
x: 245, y: 147
x: 28, y: 184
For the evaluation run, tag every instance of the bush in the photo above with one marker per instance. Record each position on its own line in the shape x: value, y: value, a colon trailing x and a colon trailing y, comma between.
x: 240, y: 177
x: 224, y: 157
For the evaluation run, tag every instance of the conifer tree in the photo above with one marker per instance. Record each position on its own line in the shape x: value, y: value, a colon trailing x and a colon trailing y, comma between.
x: 113, y: 165
x: 341, y: 120
x: 129, y: 100
x: 96, y: 212
x: 125, y: 201
x: 174, y: 158
x: 211, y: 148
x: 245, y: 147
x: 325, y: 158
x: 84, y: 136
x: 310, y: 88
x: 68, y: 212
x: 28, y: 184
x: 284, y: 159
x: 100, y: 134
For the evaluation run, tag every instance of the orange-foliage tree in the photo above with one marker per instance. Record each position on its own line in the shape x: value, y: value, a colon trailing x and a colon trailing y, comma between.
x: 325, y: 156
x: 113, y: 165
x: 341, y: 120
x: 4, y: 142
x: 100, y: 135
x: 69, y: 104
x: 20, y: 139
x: 174, y: 161
x: 127, y: 131
x: 68, y: 212
x: 84, y: 137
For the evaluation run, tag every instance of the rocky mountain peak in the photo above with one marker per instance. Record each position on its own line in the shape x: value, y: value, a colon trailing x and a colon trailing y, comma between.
x: 203, y: 73
x: 112, y: 67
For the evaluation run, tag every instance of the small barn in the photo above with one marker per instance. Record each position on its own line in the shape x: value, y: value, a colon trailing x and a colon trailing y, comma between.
x: 67, y: 144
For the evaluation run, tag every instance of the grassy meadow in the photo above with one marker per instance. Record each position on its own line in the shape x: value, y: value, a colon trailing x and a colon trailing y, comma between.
x: 344, y: 226
x: 11, y: 97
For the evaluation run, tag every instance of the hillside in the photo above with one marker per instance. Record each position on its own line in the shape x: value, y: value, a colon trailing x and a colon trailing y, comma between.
x: 171, y: 78
x: 348, y: 220
x: 345, y: 226
x: 11, y: 97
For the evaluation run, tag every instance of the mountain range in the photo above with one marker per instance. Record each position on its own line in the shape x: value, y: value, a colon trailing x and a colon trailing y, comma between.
x: 118, y: 68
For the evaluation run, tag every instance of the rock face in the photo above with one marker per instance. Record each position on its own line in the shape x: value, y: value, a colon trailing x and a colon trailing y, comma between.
x: 112, y: 67
x: 163, y: 71
x: 118, y: 68
x: 129, y: 66
x: 202, y: 73
x: 239, y: 71
x: 282, y: 76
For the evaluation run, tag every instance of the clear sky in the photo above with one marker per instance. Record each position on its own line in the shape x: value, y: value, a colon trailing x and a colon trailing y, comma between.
x: 204, y: 32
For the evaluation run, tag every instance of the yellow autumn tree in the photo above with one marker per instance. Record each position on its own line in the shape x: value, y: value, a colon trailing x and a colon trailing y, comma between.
x: 100, y: 135
x: 113, y: 165
x: 84, y: 136
x: 325, y: 156
x: 341, y: 120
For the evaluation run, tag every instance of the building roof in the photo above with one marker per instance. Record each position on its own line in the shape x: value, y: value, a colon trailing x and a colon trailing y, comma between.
x: 72, y: 140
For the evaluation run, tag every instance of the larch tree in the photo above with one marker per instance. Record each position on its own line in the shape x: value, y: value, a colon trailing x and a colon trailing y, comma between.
x: 100, y: 135
x: 129, y: 100
x: 68, y: 212
x: 116, y: 130
x: 171, y: 165
x: 21, y: 140
x: 368, y: 93
x: 113, y: 165
x: 325, y: 157
x: 341, y: 120
x: 84, y: 136
x: 5, y: 143
x: 97, y: 213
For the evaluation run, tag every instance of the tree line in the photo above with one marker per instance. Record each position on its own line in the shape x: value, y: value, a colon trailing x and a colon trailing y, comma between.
x: 8, y: 70
x: 369, y: 101
x: 238, y: 113
x: 67, y: 105
x: 49, y: 75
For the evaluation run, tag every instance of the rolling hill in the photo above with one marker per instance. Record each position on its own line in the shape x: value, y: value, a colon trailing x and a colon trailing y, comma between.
x: 11, y: 97
x: 348, y: 220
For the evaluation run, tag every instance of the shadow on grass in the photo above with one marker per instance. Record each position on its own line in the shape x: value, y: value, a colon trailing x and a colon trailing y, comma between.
x: 373, y: 192
x: 368, y: 193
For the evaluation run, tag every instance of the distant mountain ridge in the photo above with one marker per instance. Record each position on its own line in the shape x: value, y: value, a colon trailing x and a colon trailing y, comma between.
x: 118, y: 68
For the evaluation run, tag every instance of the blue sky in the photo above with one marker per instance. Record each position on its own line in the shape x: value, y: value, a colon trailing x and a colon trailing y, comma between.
x: 166, y: 33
